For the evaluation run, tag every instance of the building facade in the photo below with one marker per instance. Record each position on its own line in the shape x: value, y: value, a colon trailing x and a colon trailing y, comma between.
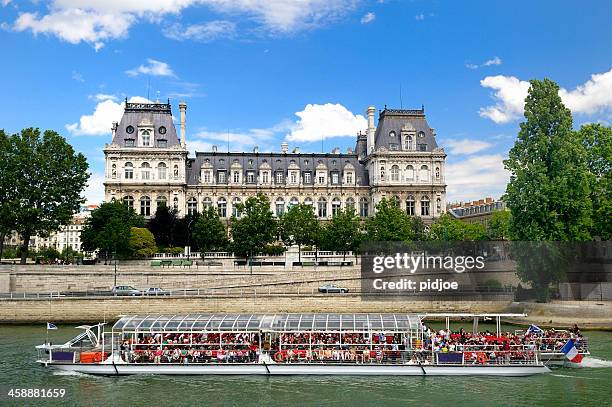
x: 479, y: 211
x: 147, y: 165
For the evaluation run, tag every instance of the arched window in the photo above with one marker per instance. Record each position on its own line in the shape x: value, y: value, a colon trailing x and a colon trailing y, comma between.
x: 350, y: 204
x: 335, y: 206
x: 424, y: 173
x: 425, y: 206
x: 206, y: 203
x: 145, y: 206
x: 363, y: 207
x: 322, y: 208
x: 145, y: 137
x: 222, y: 207
x: 129, y: 200
x: 280, y: 207
x: 161, y: 171
x: 129, y: 171
x: 293, y: 202
x: 192, y: 206
x: 410, y: 206
x: 395, y: 173
x: 161, y: 201
x: 235, y: 209
x: 410, y: 173
x: 114, y: 171
x: 145, y: 171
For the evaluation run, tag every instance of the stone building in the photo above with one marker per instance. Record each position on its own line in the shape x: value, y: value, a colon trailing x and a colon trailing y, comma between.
x: 147, y: 164
x: 476, y: 211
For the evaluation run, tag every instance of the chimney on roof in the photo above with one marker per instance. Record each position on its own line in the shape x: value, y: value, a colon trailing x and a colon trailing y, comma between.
x: 214, y: 149
x: 349, y: 150
x: 256, y: 149
x: 489, y: 200
x: 183, y: 110
x: 284, y: 147
x: 296, y: 150
x: 336, y: 150
x: 371, y: 129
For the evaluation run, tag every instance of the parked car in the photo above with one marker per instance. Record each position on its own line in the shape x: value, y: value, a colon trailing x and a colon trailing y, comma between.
x: 125, y: 290
x: 332, y: 288
x: 156, y: 291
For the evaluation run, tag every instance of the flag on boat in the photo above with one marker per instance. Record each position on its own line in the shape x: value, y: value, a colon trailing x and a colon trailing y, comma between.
x: 51, y: 326
x: 534, y: 329
x: 570, y: 351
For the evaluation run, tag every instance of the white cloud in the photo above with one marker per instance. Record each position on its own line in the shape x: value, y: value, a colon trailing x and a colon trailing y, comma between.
x: 205, y: 32
x: 94, y: 192
x: 235, y: 140
x: 97, y: 21
x: 99, y: 122
x: 466, y: 146
x: 419, y: 17
x: 76, y: 25
x: 368, y: 18
x: 488, y: 62
x: 476, y: 177
x: 324, y: 121
x: 5, y: 3
x: 153, y: 68
x: 594, y: 96
x: 100, y: 97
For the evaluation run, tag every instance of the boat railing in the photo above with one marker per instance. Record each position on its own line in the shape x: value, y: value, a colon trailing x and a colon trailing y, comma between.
x: 554, y: 344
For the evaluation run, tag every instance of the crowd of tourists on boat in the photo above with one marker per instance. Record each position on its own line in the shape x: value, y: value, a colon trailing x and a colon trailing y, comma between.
x: 355, y: 347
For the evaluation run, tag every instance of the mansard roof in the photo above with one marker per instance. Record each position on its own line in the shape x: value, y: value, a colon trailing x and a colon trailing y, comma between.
x: 277, y: 162
x: 395, y: 120
x: 156, y: 115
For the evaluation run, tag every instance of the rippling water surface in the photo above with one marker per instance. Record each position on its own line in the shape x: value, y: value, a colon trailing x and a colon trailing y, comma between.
x: 590, y: 386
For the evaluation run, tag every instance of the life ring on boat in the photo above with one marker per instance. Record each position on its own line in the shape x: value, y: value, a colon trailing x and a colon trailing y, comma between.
x: 279, y: 357
x: 482, y: 358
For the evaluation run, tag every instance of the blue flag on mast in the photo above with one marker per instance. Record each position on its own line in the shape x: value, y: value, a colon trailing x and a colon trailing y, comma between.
x: 51, y: 326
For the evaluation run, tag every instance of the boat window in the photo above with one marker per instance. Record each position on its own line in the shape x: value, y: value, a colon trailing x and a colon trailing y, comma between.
x: 256, y: 322
x: 228, y: 322
x: 306, y: 322
x: 242, y: 322
x: 320, y: 322
x: 187, y: 323
x: 160, y: 323
x: 348, y: 322
x: 361, y: 323
x: 293, y: 322
x: 333, y: 322
x: 375, y: 321
x: 279, y: 322
x: 201, y: 323
x: 173, y: 324
x: 214, y: 323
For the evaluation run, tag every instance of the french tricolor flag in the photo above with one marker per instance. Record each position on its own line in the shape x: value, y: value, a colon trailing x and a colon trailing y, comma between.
x: 571, y: 352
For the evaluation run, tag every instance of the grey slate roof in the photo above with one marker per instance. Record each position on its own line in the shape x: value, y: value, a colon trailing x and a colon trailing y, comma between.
x: 395, y: 119
x: 277, y: 162
x: 159, y: 114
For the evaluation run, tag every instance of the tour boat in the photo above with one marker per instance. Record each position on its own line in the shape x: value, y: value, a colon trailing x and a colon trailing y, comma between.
x: 288, y: 344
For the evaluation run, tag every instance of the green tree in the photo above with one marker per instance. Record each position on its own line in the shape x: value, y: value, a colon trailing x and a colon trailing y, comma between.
x: 8, y: 178
x: 299, y: 226
x: 209, y: 233
x: 597, y: 141
x: 48, y: 184
x: 255, y: 229
x: 549, y: 189
x: 445, y: 228
x: 548, y: 194
x: 142, y: 242
x: 108, y: 228
x: 342, y: 232
x: 163, y: 225
x: 498, y: 227
x: 389, y: 224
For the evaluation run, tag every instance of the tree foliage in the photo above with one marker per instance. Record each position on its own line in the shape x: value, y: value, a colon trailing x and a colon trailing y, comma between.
x: 390, y: 223
x: 447, y: 229
x: 255, y: 229
x: 108, y: 228
x: 597, y: 142
x: 47, y: 177
x: 209, y: 233
x: 549, y: 189
x: 342, y: 233
x: 299, y: 226
x: 8, y: 179
x: 498, y: 227
x: 142, y: 242
x: 163, y: 225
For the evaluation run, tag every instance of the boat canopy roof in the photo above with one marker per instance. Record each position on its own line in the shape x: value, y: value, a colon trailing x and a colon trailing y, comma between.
x: 267, y: 322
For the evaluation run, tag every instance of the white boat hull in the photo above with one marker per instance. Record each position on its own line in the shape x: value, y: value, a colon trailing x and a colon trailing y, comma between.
x: 299, y: 369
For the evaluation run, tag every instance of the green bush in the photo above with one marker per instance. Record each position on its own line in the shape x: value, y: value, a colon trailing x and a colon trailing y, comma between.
x: 493, y: 283
x: 274, y: 249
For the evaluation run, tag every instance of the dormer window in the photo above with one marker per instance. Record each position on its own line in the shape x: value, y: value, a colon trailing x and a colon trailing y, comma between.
x: 408, y: 143
x: 421, y: 134
x: 162, y: 143
x: 392, y: 134
x: 129, y: 142
x: 145, y: 138
x: 162, y: 130
x: 129, y: 129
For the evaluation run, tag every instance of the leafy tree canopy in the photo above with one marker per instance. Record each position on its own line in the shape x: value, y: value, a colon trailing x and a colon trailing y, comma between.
x: 342, y: 233
x: 209, y: 233
x: 390, y: 223
x: 163, y: 225
x: 299, y: 226
x: 255, y: 229
x: 445, y: 228
x: 142, y: 242
x: 498, y: 227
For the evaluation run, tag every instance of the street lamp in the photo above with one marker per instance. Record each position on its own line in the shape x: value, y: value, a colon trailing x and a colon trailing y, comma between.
x: 115, y: 257
x: 189, y: 238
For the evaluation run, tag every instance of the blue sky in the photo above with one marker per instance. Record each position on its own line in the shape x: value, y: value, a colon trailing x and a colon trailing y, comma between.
x: 264, y: 71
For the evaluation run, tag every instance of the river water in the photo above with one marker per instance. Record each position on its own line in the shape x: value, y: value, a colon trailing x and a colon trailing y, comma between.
x: 590, y: 386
